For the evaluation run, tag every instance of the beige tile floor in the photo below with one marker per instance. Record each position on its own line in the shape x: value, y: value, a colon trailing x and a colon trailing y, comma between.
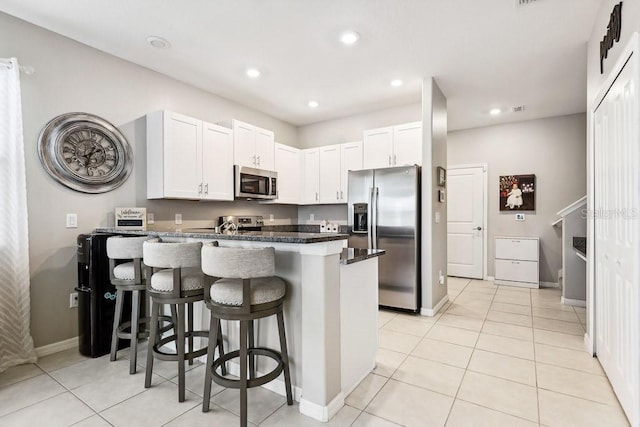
x: 494, y: 356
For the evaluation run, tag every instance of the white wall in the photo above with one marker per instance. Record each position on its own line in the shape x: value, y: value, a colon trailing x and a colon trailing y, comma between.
x: 350, y: 128
x: 554, y: 149
x: 434, y: 234
x: 73, y: 77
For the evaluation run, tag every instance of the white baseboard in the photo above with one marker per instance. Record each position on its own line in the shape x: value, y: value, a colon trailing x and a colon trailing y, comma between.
x: 490, y: 279
x: 433, y: 311
x: 588, y: 344
x: 56, y: 347
x: 549, y: 285
x: 319, y: 412
x: 573, y: 302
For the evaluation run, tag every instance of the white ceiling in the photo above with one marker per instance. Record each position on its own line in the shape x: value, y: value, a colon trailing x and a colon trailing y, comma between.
x: 482, y: 53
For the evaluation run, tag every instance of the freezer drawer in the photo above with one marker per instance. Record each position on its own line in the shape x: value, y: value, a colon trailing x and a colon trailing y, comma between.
x: 517, y: 271
x: 517, y: 248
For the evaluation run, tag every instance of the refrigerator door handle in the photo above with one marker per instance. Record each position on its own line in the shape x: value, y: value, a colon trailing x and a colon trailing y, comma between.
x: 374, y: 225
x: 370, y: 219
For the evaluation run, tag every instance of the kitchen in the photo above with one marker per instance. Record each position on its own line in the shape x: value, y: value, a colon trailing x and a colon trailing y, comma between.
x: 124, y: 94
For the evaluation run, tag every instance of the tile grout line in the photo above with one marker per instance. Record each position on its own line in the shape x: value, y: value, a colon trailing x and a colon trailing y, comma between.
x: 535, y: 363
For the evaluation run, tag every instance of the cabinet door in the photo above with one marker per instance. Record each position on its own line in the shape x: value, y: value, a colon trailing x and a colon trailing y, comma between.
x: 407, y: 144
x: 330, y: 174
x: 378, y: 148
x: 310, y: 176
x: 287, y: 164
x: 217, y: 162
x: 244, y: 152
x: 182, y: 166
x: 264, y: 149
x: 350, y: 160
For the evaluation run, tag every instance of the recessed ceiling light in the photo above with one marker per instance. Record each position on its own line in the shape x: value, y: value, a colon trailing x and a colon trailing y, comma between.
x: 158, y: 42
x: 396, y: 82
x: 313, y: 104
x: 495, y: 111
x: 254, y: 73
x: 349, y: 37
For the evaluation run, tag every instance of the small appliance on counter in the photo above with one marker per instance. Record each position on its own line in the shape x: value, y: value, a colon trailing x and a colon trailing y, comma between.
x: 253, y: 183
x: 241, y: 223
x: 96, y: 297
x: 384, y: 213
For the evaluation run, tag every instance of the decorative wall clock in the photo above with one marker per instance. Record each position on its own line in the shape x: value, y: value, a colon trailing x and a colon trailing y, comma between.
x: 85, y: 152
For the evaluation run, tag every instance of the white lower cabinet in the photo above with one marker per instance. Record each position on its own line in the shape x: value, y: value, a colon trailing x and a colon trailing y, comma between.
x: 188, y: 158
x: 517, y: 261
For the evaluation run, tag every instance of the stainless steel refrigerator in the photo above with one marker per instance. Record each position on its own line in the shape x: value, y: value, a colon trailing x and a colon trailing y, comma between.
x: 384, y: 213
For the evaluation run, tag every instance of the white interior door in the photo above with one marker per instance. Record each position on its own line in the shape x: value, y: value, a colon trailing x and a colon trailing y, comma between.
x: 617, y: 249
x: 465, y: 226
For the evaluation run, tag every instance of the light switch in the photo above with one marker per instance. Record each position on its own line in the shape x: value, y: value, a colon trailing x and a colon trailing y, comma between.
x: 72, y: 220
x: 519, y: 217
x: 437, y: 217
x: 151, y: 219
x: 178, y: 218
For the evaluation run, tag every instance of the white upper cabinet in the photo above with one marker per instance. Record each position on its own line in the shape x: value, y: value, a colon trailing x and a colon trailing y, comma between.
x: 378, y: 148
x: 311, y: 176
x: 350, y: 160
x: 217, y: 162
x: 393, y: 146
x: 330, y: 174
x: 252, y: 146
x: 187, y: 157
x: 407, y: 144
x: 287, y: 164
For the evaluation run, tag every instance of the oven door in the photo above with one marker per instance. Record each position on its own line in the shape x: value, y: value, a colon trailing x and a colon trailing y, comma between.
x: 253, y: 183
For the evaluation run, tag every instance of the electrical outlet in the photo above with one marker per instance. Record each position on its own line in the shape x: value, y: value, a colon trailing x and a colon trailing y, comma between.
x: 270, y: 217
x: 440, y: 277
x: 151, y: 219
x: 178, y: 218
x: 520, y: 217
x: 72, y: 220
x: 312, y: 217
x: 73, y: 299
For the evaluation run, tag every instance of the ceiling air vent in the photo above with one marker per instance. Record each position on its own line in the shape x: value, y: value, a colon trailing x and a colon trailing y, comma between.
x: 520, y: 108
x: 524, y: 2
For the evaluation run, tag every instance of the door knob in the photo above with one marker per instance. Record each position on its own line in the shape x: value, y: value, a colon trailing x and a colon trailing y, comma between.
x: 477, y: 229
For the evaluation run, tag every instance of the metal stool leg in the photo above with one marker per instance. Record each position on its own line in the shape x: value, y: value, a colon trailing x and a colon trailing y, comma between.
x: 135, y: 325
x: 116, y: 323
x: 214, y: 330
x: 285, y: 357
x: 180, y: 348
x: 243, y: 373
x: 155, y: 309
x: 190, y: 329
x: 252, y: 344
x: 220, y: 344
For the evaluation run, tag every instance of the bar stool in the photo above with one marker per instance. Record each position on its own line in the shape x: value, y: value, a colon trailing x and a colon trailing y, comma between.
x: 242, y: 287
x: 127, y: 276
x: 179, y: 282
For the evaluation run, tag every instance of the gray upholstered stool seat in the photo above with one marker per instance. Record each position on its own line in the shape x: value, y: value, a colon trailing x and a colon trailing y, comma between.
x: 243, y: 287
x: 128, y: 276
x: 175, y: 279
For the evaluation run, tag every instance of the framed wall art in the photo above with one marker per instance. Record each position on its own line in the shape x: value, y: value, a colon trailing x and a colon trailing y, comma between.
x: 518, y: 193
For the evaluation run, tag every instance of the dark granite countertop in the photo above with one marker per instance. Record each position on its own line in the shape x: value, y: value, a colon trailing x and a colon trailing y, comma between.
x: 351, y: 255
x: 255, y: 236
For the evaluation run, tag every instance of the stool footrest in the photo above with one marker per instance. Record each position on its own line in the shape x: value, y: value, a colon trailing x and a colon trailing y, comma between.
x: 143, y: 334
x: 188, y: 354
x: 253, y: 382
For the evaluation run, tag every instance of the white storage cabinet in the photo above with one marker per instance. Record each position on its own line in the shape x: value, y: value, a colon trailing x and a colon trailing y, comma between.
x: 287, y: 164
x: 253, y: 146
x: 393, y: 146
x: 517, y: 261
x: 188, y: 158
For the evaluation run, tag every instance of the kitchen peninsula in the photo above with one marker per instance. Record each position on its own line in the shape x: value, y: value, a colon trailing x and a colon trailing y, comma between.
x: 330, y: 312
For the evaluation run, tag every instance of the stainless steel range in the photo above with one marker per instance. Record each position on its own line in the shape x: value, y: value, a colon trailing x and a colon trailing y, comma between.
x: 241, y: 223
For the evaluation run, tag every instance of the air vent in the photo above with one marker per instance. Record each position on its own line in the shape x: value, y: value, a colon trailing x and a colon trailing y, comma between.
x: 520, y: 108
x: 524, y: 2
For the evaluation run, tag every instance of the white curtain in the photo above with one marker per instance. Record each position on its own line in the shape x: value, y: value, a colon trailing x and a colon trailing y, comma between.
x: 16, y: 344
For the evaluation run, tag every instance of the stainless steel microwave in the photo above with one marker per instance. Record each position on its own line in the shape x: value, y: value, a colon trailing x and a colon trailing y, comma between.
x: 253, y: 183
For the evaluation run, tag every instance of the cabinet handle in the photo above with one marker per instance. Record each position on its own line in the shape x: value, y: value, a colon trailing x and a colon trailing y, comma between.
x: 254, y: 161
x: 515, y: 262
x: 337, y: 195
x: 200, y: 188
x: 206, y: 189
x: 395, y: 161
x: 341, y: 194
x: 258, y: 160
x: 316, y: 196
x: 389, y: 159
